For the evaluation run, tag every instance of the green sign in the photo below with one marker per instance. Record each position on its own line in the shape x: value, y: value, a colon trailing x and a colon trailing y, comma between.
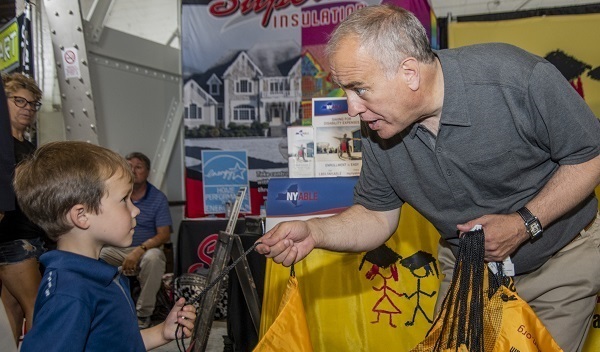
x: 9, y: 46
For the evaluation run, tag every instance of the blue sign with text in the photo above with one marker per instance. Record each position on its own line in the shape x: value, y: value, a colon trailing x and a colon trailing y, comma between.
x: 223, y: 172
x: 309, y: 196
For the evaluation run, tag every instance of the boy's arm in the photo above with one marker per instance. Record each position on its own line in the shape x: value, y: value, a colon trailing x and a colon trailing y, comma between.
x: 153, y: 337
x: 61, y: 324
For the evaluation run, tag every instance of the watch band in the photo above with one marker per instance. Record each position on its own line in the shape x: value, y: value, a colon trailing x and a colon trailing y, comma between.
x: 532, y: 223
x: 143, y: 247
x: 526, y: 214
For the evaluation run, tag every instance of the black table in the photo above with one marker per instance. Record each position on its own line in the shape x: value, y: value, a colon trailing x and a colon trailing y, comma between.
x: 196, y: 243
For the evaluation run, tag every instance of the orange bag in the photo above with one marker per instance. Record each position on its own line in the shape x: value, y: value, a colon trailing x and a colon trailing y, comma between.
x: 289, y: 332
x: 482, y: 312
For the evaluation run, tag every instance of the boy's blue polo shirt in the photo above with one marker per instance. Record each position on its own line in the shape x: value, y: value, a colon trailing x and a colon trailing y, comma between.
x: 82, y: 305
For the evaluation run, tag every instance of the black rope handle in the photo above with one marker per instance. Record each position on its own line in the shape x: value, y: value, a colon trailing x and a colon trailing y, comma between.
x: 207, y: 288
x: 462, y: 319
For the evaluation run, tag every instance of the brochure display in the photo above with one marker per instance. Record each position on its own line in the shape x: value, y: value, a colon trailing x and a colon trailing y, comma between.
x: 331, y: 147
x: 301, y: 151
x: 337, y: 138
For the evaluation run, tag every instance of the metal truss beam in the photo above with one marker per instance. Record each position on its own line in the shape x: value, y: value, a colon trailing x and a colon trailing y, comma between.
x: 70, y: 54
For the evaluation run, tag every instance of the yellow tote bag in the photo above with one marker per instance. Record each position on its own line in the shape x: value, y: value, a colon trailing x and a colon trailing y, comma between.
x: 289, y: 331
x: 481, y: 313
x: 519, y: 328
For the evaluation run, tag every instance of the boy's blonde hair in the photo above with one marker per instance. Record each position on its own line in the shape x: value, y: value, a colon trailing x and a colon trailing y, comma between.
x: 60, y: 175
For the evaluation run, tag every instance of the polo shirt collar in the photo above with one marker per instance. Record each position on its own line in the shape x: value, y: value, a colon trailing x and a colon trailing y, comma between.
x: 454, y: 110
x: 145, y: 196
x: 94, y: 270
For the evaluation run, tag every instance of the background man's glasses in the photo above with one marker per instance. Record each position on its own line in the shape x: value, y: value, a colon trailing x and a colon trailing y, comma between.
x: 22, y: 102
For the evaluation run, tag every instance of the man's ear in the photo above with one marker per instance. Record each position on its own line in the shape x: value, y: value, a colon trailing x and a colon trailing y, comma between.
x: 409, y: 71
x: 78, y: 216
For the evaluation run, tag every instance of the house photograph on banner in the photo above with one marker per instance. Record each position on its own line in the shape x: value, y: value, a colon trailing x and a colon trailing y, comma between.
x: 250, y: 75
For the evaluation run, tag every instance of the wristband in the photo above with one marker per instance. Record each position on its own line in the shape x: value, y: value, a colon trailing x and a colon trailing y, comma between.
x: 144, y: 248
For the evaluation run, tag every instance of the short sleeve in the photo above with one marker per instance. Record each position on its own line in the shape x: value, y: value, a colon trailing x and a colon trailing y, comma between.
x: 563, y: 121
x: 373, y: 190
x: 62, y: 323
x: 163, y: 215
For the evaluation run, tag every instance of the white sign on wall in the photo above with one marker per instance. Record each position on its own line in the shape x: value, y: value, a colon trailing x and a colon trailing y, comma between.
x: 70, y: 60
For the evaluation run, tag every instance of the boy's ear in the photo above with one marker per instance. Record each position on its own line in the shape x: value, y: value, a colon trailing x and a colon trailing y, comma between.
x: 79, y: 217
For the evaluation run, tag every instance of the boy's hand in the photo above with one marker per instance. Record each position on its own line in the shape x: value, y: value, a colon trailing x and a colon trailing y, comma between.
x: 165, y: 332
x: 180, y: 314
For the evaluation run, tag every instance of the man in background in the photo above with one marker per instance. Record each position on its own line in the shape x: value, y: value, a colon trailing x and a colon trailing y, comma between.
x: 145, y: 257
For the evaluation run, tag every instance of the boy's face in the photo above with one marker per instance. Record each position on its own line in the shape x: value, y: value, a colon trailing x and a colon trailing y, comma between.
x: 115, y: 222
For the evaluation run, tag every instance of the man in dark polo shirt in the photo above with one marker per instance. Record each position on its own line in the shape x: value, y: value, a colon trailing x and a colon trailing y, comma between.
x: 486, y: 134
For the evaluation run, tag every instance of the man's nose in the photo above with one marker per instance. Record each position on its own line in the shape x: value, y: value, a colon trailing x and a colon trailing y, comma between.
x: 355, y: 106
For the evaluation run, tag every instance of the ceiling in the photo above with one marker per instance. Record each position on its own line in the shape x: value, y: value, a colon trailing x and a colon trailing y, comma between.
x: 156, y: 20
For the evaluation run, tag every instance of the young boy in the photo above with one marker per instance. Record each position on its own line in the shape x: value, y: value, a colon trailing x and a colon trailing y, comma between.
x: 79, y: 194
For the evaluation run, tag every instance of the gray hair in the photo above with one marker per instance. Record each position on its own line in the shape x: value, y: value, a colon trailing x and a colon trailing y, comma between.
x: 391, y: 33
x: 140, y: 156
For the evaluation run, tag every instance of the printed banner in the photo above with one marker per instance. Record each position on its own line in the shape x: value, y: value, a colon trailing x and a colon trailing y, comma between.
x: 223, y: 173
x: 337, y: 138
x: 301, y: 151
x: 16, y: 52
x: 250, y: 70
x: 376, y: 301
x: 9, y: 46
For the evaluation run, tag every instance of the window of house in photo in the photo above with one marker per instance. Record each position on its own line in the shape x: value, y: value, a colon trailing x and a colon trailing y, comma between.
x: 244, y: 113
x: 186, y: 113
x: 276, y: 87
x: 214, y: 89
x: 220, y: 113
x: 199, y: 116
x: 243, y: 86
x: 193, y: 111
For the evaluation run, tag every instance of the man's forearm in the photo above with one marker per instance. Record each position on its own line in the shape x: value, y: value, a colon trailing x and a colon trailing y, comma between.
x: 163, y: 235
x: 356, y: 229
x: 567, y: 188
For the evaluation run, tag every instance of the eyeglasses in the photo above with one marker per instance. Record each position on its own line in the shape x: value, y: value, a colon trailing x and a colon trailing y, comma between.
x: 22, y: 102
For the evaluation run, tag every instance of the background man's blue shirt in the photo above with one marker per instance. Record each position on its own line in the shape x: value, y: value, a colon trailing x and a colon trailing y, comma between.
x: 154, y: 213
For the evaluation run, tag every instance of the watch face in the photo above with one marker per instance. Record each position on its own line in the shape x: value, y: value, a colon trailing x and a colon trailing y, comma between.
x: 535, y: 228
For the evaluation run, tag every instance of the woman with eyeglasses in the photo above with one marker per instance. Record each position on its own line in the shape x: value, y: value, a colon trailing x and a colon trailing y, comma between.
x: 21, y: 241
